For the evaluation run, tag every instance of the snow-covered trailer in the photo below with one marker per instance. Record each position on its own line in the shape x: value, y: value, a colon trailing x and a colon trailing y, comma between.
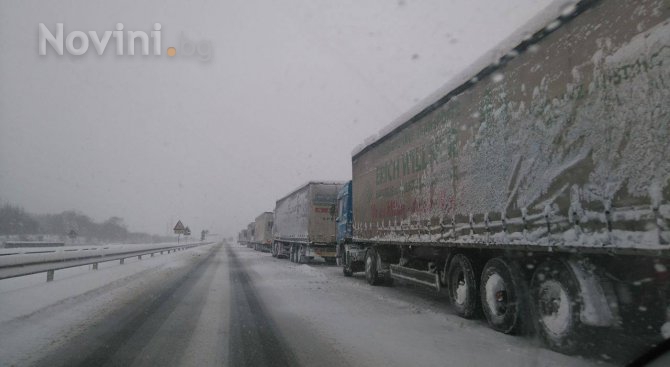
x: 263, y: 232
x: 304, y: 227
x: 536, y: 185
x: 242, y: 237
x: 251, y: 231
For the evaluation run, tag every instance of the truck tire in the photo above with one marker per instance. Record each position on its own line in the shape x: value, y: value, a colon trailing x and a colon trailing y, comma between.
x: 504, y: 296
x: 557, y: 306
x: 462, y: 286
x: 346, y: 266
x: 371, y: 273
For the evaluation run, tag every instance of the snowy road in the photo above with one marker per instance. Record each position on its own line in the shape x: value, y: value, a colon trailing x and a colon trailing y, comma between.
x: 220, y: 305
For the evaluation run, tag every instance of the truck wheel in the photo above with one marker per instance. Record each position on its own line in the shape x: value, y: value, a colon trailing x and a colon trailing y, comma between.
x: 557, y: 306
x: 504, y: 295
x: 346, y: 267
x: 371, y: 273
x: 462, y: 286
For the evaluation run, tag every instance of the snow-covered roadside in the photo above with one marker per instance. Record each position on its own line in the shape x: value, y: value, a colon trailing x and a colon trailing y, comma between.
x: 369, y: 326
x: 36, y: 316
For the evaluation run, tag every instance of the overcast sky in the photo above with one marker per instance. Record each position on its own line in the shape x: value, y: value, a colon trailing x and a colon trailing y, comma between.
x: 291, y: 88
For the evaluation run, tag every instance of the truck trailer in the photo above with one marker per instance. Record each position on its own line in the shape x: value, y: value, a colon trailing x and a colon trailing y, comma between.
x: 251, y: 233
x: 537, y: 191
x: 304, y: 227
x: 242, y: 238
x: 263, y: 232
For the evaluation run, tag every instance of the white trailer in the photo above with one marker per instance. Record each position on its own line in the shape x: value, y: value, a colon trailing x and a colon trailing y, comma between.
x: 304, y: 227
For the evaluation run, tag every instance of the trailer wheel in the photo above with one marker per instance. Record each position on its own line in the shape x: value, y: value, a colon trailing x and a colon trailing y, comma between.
x: 371, y: 273
x: 557, y: 306
x: 504, y: 295
x: 462, y: 286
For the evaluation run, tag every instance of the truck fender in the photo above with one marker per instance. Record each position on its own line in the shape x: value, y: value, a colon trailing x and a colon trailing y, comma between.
x: 385, y: 257
x: 443, y: 274
x: 599, y: 303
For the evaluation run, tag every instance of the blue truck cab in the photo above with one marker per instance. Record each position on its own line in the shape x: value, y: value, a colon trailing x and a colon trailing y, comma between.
x: 344, y: 215
x: 350, y: 255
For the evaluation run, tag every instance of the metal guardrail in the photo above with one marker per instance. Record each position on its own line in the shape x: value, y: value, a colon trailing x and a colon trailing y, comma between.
x: 18, y: 262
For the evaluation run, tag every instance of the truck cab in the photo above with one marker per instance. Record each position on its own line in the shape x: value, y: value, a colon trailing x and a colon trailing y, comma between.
x: 344, y: 215
x: 350, y: 256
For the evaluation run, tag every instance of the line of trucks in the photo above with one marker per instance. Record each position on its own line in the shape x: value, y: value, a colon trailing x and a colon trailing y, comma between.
x: 535, y: 193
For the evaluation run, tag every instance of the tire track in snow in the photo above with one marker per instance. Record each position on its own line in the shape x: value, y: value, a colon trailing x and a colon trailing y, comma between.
x: 254, y: 338
x: 120, y: 338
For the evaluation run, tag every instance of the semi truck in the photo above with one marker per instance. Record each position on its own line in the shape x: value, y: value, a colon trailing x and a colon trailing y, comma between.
x: 304, y: 223
x: 251, y: 232
x: 242, y: 238
x: 263, y: 232
x: 536, y: 190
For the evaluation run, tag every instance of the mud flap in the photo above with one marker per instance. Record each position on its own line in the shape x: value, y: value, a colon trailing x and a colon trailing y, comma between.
x: 599, y: 304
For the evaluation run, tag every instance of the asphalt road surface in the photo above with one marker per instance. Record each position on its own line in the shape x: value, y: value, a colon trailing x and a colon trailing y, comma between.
x: 228, y: 305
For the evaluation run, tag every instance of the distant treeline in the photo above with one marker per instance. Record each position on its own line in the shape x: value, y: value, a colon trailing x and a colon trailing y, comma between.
x: 14, y: 220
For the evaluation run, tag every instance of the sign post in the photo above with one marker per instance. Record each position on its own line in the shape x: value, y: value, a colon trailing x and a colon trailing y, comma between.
x: 179, y: 229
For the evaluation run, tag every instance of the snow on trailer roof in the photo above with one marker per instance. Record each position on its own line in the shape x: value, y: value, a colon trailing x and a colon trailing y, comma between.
x: 310, y: 183
x: 264, y: 213
x: 544, y: 23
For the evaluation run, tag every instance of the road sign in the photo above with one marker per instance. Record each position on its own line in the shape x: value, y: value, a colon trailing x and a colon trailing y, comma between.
x: 179, y: 228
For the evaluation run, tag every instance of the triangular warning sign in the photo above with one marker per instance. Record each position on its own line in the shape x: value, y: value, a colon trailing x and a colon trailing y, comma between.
x: 179, y: 226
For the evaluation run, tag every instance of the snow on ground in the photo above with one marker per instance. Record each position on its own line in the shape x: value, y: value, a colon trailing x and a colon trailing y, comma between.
x: 325, y: 318
x: 373, y: 326
x: 36, y: 315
